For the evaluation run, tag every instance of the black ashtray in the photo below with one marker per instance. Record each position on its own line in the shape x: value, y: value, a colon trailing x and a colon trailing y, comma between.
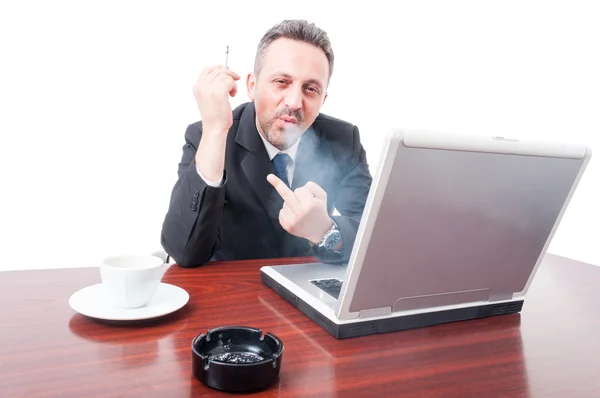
x: 237, y: 358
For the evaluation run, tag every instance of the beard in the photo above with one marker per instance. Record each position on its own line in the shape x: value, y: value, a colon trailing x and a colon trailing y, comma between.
x: 282, y: 137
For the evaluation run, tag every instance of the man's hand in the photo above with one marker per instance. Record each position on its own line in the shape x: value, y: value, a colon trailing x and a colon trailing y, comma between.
x: 212, y: 90
x: 304, y: 213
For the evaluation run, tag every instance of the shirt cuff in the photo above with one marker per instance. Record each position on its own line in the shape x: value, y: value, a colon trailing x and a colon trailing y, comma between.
x: 214, y: 184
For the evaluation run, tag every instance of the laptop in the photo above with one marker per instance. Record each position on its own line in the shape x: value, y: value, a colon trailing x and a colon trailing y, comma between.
x: 454, y: 228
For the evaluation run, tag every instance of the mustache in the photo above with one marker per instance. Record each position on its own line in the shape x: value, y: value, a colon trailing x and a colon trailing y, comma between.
x: 297, y: 114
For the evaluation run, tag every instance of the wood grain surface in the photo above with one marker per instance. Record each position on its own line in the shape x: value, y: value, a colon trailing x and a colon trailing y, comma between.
x: 551, y: 349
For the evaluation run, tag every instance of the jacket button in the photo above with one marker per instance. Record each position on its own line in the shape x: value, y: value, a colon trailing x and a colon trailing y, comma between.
x: 196, y: 193
x: 193, y: 207
x: 195, y: 200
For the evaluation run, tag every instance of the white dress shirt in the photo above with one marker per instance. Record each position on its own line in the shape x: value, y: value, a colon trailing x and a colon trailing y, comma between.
x: 272, y: 151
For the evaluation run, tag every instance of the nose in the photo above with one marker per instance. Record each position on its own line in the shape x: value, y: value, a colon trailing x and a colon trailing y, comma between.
x: 293, y: 98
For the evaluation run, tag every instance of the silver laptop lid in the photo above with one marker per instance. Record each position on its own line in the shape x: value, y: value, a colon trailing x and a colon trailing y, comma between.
x: 453, y: 219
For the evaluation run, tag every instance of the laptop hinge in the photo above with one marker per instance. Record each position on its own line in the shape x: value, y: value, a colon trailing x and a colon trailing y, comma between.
x: 375, y: 312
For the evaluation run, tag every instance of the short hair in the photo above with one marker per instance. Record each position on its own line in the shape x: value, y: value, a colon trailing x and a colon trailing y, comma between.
x: 295, y: 29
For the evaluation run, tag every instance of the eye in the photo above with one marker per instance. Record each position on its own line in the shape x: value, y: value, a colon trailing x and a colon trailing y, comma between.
x: 313, y: 89
x: 280, y: 81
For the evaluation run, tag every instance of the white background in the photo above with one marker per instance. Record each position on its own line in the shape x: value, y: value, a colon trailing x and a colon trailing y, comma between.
x: 95, y: 98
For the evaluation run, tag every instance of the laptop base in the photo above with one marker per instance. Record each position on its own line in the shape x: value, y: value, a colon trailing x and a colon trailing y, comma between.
x: 395, y: 324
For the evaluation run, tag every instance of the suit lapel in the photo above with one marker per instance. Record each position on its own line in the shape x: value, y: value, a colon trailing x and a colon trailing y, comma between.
x: 256, y: 165
x: 314, y: 162
x: 307, y: 169
x: 308, y: 160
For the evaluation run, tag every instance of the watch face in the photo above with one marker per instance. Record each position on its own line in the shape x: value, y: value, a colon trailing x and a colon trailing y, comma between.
x: 332, y: 239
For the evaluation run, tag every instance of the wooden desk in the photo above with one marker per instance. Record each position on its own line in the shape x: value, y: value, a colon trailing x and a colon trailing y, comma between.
x: 551, y: 349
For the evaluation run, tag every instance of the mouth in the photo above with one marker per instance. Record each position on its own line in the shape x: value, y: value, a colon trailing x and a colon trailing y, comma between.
x: 288, y: 120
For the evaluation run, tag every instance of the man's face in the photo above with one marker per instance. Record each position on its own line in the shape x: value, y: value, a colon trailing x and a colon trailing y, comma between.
x: 289, y: 91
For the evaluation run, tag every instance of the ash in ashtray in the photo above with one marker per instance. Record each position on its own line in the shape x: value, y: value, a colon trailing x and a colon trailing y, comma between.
x: 237, y: 357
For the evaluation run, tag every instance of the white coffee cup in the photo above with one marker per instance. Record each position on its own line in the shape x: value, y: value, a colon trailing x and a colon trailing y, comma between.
x: 131, y: 280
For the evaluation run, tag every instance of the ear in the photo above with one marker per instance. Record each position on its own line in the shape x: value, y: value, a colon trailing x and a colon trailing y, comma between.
x: 251, y: 85
x: 324, y: 98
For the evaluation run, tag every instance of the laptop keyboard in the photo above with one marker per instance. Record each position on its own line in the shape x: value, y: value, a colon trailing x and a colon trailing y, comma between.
x: 329, y: 286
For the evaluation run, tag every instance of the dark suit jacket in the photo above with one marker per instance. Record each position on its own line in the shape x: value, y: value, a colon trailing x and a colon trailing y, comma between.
x: 239, y: 220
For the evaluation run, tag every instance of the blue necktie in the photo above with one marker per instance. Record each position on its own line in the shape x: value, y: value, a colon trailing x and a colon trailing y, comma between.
x: 281, y: 161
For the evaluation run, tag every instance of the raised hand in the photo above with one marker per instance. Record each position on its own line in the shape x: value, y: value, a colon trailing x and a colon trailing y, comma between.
x: 212, y: 90
x: 304, y: 213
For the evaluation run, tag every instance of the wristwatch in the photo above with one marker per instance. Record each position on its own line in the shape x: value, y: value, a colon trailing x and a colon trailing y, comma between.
x: 331, y: 238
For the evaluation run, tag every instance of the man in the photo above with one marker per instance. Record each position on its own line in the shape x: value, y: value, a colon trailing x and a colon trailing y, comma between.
x: 263, y: 180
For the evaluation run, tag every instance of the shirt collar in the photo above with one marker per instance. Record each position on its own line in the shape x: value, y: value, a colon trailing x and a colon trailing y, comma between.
x: 273, y: 151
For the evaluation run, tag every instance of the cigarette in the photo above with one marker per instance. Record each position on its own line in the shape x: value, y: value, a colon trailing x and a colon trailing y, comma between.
x: 226, y: 57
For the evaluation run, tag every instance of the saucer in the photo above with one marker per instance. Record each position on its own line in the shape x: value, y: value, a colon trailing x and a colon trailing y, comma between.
x: 92, y: 301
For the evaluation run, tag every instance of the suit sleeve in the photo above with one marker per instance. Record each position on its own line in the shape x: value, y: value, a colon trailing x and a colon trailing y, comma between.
x: 190, y: 231
x: 350, y: 200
